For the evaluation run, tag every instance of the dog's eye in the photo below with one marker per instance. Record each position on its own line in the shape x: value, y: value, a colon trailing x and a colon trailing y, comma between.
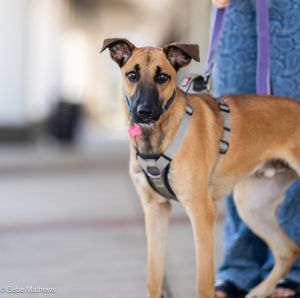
x: 132, y: 76
x: 163, y: 78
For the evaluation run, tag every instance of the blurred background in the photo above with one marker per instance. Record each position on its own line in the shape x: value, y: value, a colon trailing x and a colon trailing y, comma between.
x: 69, y: 216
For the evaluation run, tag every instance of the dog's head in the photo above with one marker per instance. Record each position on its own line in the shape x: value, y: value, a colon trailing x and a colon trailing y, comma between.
x: 149, y: 74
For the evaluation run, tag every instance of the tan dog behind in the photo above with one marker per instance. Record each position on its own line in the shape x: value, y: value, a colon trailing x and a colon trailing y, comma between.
x: 262, y: 161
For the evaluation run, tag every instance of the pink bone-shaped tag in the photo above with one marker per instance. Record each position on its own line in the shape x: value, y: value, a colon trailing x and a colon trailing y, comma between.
x: 134, y: 131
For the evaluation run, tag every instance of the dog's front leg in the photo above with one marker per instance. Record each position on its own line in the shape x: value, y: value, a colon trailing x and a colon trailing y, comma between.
x: 156, y: 220
x: 157, y: 214
x: 202, y: 213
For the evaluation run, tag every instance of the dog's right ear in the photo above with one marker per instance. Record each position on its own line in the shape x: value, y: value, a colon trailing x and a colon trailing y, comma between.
x: 120, y: 49
x: 180, y: 54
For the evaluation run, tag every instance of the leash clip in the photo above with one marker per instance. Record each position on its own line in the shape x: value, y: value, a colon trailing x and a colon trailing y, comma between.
x: 192, y: 83
x: 200, y: 84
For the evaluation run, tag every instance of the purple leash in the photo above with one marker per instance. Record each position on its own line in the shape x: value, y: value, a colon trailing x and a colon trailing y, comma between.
x: 216, y: 28
x: 263, y: 45
x: 263, y: 53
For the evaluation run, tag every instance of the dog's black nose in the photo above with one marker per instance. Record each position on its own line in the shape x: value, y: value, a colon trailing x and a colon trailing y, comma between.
x: 144, y: 112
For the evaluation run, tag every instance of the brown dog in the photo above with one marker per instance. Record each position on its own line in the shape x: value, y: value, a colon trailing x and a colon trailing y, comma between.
x: 262, y: 161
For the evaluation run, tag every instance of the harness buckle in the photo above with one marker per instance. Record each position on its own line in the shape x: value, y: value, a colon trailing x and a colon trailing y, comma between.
x: 224, y: 107
x: 224, y: 145
x: 153, y: 172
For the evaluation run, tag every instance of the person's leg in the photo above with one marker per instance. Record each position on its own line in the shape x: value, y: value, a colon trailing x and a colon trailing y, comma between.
x: 234, y: 73
x: 244, y: 253
x: 285, y: 47
x: 285, y: 81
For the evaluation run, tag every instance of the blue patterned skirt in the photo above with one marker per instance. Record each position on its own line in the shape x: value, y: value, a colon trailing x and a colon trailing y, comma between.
x: 235, y: 67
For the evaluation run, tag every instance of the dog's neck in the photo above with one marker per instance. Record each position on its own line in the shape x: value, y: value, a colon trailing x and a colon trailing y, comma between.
x: 155, y: 139
x: 152, y: 138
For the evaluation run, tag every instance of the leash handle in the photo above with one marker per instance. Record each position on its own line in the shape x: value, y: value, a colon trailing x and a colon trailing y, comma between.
x: 216, y: 25
x: 263, y: 85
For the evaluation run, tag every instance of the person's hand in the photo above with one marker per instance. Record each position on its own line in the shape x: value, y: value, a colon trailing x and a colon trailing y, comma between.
x: 220, y: 3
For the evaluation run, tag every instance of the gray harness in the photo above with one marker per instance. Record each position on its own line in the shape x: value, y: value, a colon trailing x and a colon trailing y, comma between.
x: 156, y: 167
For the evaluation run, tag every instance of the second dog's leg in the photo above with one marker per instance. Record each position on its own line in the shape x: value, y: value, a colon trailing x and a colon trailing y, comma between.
x: 257, y: 200
x: 202, y: 213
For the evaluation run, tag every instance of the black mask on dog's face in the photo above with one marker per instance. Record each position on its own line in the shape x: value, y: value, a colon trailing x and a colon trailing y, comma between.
x: 149, y: 75
x: 146, y: 104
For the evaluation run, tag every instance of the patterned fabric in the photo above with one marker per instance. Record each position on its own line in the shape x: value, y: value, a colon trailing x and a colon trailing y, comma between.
x: 247, y: 259
x: 235, y: 67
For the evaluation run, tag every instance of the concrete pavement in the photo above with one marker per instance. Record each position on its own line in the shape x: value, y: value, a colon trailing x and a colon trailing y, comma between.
x: 70, y: 220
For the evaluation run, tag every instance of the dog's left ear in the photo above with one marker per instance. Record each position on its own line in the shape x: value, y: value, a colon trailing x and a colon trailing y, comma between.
x: 120, y: 49
x: 181, y: 54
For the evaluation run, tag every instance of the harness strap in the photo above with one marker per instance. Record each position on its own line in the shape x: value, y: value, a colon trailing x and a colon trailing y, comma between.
x: 170, y: 152
x: 156, y: 168
x: 224, y: 141
x: 224, y: 110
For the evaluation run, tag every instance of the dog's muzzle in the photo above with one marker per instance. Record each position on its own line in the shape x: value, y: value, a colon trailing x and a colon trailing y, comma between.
x: 147, y: 114
x: 143, y: 112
